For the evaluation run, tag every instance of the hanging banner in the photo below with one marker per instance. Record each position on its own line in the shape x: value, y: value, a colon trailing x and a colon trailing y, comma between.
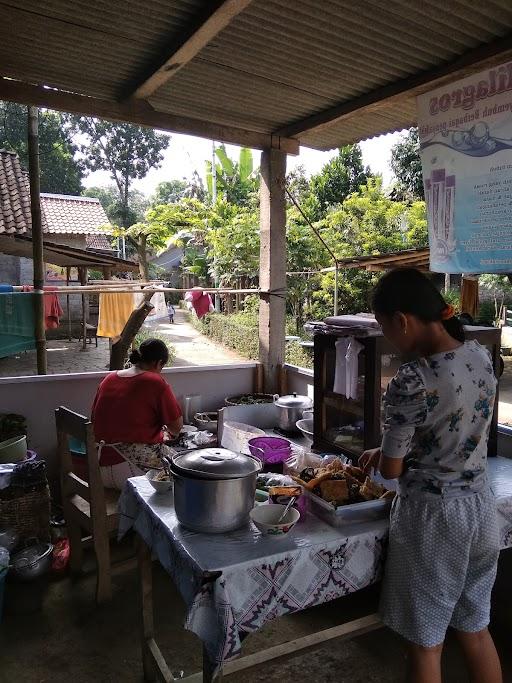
x: 465, y: 131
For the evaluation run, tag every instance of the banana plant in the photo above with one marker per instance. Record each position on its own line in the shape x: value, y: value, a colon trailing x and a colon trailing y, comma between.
x: 235, y: 179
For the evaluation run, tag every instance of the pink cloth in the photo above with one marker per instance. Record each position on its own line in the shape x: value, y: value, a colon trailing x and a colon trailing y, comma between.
x: 52, y: 308
x: 201, y: 302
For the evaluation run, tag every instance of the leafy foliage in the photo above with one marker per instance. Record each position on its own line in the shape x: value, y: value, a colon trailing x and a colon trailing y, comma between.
x: 236, y: 181
x: 406, y: 166
x: 339, y: 178
x: 109, y: 199
x: 169, y: 192
x: 126, y: 151
x: 61, y: 172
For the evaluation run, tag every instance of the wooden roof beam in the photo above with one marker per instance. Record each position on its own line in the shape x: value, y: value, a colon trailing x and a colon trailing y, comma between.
x: 140, y: 113
x: 486, y: 55
x: 219, y: 15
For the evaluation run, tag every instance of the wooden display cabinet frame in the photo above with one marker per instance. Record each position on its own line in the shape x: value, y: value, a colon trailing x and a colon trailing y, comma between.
x: 375, y: 346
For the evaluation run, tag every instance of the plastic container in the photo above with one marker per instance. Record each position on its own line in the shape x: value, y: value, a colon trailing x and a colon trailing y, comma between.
x: 272, y: 451
x: 13, y: 450
x: 236, y: 436
x: 347, y: 514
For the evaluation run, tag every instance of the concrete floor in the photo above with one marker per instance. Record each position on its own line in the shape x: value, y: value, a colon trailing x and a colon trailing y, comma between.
x: 72, y: 640
x: 64, y: 357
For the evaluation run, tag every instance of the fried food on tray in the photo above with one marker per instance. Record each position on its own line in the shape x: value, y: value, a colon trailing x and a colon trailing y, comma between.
x: 335, y: 491
x: 341, y: 484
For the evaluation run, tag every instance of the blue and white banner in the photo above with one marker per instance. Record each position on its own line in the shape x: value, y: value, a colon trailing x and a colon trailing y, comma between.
x: 465, y: 131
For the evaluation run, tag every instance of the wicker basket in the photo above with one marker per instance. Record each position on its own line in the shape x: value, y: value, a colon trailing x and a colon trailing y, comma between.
x: 27, y: 511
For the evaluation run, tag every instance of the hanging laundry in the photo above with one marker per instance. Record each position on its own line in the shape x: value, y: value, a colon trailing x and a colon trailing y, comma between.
x: 114, y: 311
x: 347, y: 367
x: 201, y: 302
x: 52, y: 308
x: 16, y: 323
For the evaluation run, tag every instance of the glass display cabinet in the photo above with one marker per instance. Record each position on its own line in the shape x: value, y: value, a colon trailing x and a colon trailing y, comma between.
x: 352, y: 425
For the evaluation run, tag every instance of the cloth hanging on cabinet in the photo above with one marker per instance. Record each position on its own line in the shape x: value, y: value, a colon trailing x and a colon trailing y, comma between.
x: 469, y: 296
x: 347, y: 367
x: 16, y: 323
x: 6, y: 289
x: 114, y: 311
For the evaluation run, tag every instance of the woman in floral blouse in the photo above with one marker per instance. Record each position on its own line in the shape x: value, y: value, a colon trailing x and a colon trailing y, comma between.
x: 444, y: 539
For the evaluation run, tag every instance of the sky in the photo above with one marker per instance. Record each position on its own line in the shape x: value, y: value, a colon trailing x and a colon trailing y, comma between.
x: 186, y: 154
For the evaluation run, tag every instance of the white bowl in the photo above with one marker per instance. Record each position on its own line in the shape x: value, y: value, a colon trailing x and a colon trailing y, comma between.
x: 305, y: 426
x: 13, y: 450
x: 265, y: 519
x: 159, y: 486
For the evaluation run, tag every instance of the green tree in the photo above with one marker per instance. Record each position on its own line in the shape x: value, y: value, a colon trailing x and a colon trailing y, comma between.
x: 368, y: 222
x: 185, y: 225
x: 109, y: 199
x: 61, y: 171
x: 237, y: 181
x: 126, y: 151
x: 340, y: 177
x: 233, y: 242
x: 406, y: 166
x: 169, y: 192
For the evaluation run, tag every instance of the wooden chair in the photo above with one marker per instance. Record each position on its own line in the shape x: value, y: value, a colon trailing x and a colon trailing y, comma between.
x: 87, y: 505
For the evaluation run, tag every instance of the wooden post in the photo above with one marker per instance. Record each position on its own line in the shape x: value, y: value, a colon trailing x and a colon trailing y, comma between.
x: 447, y: 283
x: 82, y: 273
x: 37, y: 238
x: 272, y: 265
x: 68, y: 307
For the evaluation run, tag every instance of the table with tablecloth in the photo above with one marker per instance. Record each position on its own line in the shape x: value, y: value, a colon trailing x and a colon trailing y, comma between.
x: 234, y: 583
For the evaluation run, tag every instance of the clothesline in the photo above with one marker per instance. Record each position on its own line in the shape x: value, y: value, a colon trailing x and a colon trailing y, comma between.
x: 92, y: 289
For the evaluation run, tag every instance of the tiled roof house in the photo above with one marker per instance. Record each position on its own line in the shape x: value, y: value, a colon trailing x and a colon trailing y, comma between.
x: 74, y: 221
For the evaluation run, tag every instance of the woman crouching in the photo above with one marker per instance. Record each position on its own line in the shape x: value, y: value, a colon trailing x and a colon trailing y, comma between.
x: 133, y: 412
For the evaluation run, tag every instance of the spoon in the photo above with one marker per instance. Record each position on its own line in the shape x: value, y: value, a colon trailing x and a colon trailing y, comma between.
x: 285, y: 511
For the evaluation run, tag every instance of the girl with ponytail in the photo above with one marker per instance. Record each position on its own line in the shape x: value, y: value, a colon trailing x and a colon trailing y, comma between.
x: 444, y: 538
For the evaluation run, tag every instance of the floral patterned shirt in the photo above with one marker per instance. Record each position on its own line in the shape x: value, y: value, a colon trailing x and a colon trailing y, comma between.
x: 438, y: 413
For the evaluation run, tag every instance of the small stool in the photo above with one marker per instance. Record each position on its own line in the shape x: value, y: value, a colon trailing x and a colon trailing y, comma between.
x: 91, y: 332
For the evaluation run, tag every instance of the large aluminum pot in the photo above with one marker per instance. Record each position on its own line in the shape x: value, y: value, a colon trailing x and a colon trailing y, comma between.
x: 290, y: 410
x: 214, y: 489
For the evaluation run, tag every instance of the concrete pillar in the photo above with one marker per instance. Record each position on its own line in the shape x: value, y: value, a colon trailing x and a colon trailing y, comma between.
x: 272, y: 266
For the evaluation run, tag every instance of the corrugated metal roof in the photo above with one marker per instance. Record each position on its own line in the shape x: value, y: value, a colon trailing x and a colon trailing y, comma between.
x: 275, y: 64
x: 70, y: 215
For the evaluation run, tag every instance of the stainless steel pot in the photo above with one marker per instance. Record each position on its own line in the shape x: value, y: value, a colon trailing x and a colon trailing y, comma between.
x: 291, y: 408
x: 32, y: 562
x: 214, y: 489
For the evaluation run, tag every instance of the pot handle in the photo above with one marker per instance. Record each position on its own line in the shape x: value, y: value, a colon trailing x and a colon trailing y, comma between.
x: 275, y: 397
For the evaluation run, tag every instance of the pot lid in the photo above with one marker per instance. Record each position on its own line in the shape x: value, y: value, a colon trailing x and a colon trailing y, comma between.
x: 294, y: 401
x: 216, y: 463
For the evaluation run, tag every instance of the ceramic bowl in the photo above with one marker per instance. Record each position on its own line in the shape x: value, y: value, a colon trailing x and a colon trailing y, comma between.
x: 159, y: 486
x: 265, y: 519
x: 305, y: 426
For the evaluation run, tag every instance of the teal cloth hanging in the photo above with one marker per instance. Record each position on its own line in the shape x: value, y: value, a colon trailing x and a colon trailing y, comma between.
x: 16, y: 323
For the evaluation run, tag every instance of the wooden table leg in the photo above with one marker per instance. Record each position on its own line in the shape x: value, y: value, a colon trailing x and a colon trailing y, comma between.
x: 146, y: 591
x: 209, y: 670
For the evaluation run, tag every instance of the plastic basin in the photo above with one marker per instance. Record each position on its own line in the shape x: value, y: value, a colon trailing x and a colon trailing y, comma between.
x: 270, y: 449
x: 13, y: 450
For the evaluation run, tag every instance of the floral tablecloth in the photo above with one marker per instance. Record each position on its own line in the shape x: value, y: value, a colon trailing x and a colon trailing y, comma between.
x: 234, y: 583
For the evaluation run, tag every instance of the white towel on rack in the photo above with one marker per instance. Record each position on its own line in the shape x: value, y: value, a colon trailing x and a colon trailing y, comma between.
x: 352, y: 367
x: 347, y: 367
